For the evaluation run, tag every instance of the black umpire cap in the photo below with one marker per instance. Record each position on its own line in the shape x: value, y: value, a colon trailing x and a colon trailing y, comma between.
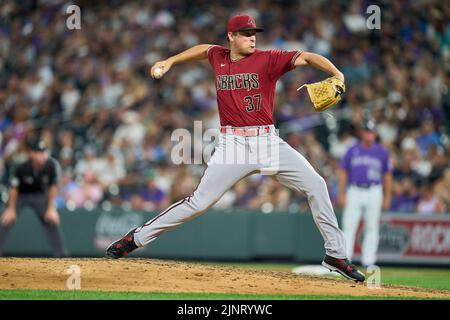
x: 37, y: 145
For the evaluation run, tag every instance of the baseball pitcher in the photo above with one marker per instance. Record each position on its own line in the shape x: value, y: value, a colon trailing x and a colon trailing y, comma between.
x: 245, y: 80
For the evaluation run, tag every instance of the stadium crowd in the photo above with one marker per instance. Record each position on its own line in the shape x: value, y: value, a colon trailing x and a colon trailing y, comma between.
x: 88, y: 95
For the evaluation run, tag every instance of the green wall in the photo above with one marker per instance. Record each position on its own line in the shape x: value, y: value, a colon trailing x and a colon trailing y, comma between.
x: 219, y: 235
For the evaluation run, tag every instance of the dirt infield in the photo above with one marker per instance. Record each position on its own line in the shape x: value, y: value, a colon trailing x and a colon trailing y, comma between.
x: 146, y: 275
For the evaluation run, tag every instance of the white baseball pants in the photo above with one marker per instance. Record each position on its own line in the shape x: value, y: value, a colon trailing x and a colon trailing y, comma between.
x: 236, y: 157
x: 369, y: 202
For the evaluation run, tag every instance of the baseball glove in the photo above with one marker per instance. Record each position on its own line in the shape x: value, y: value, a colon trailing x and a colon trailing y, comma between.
x: 326, y: 93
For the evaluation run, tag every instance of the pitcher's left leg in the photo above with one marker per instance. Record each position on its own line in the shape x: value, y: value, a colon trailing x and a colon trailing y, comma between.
x: 297, y: 173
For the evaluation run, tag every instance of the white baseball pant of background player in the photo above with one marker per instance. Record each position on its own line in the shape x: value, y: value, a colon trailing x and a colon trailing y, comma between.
x: 265, y: 153
x: 359, y: 201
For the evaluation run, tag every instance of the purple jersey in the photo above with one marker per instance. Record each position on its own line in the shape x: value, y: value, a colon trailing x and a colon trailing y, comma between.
x: 366, y: 166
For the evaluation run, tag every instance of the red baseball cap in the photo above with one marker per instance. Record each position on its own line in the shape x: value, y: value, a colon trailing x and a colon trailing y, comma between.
x: 242, y: 23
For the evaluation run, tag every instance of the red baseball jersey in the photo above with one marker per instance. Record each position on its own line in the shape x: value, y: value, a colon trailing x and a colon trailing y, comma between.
x: 246, y: 88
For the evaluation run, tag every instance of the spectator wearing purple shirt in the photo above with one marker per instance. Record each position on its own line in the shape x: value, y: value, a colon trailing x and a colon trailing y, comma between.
x: 151, y: 194
x: 405, y: 196
x: 365, y: 187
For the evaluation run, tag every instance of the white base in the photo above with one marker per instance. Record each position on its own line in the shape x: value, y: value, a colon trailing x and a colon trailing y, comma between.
x: 313, y: 270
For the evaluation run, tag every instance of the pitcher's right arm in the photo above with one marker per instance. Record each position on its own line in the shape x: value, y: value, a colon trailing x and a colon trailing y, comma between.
x: 198, y: 52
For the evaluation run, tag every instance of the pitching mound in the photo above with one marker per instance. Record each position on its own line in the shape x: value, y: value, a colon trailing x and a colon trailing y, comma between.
x: 146, y: 275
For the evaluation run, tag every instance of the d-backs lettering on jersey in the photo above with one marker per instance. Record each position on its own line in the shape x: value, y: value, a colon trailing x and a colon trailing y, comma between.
x: 245, y: 81
x: 246, y: 88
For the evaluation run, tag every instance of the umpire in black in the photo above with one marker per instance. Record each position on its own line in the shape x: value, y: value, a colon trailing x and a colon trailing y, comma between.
x: 34, y: 184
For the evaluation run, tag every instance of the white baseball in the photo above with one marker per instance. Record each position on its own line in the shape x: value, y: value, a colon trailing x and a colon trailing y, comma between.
x: 157, y: 73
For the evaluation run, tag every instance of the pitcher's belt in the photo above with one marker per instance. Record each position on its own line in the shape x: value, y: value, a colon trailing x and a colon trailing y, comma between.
x: 246, y: 131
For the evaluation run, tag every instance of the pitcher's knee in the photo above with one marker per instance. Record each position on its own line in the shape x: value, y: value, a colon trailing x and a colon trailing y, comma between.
x: 200, y: 205
x: 317, y: 184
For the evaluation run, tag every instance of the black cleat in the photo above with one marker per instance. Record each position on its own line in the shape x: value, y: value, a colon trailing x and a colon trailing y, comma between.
x: 344, y: 267
x: 122, y: 247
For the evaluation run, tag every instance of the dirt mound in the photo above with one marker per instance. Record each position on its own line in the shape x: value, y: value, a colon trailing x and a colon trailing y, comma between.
x: 148, y: 275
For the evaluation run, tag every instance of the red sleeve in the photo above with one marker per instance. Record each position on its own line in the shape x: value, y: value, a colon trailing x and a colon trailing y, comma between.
x: 282, y: 61
x: 211, y: 52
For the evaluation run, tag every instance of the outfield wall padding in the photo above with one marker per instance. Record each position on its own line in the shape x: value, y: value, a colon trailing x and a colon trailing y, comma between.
x: 232, y: 234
